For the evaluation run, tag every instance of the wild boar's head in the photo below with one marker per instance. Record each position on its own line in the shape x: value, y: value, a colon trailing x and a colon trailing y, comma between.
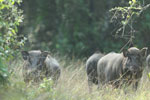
x: 34, y: 58
x: 133, y: 59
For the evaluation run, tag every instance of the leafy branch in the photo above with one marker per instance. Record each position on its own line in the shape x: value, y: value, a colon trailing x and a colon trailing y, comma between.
x: 10, y: 19
x: 10, y: 42
x: 124, y: 16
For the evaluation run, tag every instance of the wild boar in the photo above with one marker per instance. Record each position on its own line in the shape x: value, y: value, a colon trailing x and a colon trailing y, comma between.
x: 121, y: 68
x: 39, y: 65
x: 91, y: 69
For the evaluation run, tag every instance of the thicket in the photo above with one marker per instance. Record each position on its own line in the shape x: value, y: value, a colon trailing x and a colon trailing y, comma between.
x: 81, y: 27
x: 10, y: 18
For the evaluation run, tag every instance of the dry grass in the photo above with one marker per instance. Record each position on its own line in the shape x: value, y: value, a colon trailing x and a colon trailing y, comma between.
x: 72, y: 85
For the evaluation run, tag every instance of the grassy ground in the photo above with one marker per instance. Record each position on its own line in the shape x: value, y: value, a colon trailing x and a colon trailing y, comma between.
x: 72, y: 85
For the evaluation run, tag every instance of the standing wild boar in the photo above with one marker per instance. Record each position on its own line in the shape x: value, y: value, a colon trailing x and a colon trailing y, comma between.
x: 121, y: 68
x: 38, y: 65
x: 91, y: 69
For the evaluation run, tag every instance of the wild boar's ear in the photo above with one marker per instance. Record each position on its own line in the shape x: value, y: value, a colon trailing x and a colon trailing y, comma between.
x: 125, y: 53
x: 25, y: 55
x: 143, y: 52
x: 44, y: 55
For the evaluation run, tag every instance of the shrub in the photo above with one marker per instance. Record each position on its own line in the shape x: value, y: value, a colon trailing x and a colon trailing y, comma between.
x: 10, y: 18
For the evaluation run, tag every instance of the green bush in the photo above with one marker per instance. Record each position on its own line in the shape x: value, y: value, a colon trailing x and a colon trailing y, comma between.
x: 10, y: 18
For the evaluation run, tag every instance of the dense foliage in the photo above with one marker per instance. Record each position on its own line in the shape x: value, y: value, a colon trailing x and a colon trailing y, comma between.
x: 80, y: 27
x: 10, y: 18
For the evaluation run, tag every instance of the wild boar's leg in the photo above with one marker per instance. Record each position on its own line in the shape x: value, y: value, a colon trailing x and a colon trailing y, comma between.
x: 90, y: 85
x: 135, y: 85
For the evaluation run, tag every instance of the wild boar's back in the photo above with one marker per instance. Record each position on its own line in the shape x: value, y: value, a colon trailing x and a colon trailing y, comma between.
x: 110, y: 67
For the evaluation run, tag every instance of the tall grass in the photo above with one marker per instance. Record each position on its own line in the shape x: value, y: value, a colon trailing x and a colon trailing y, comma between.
x: 72, y: 85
